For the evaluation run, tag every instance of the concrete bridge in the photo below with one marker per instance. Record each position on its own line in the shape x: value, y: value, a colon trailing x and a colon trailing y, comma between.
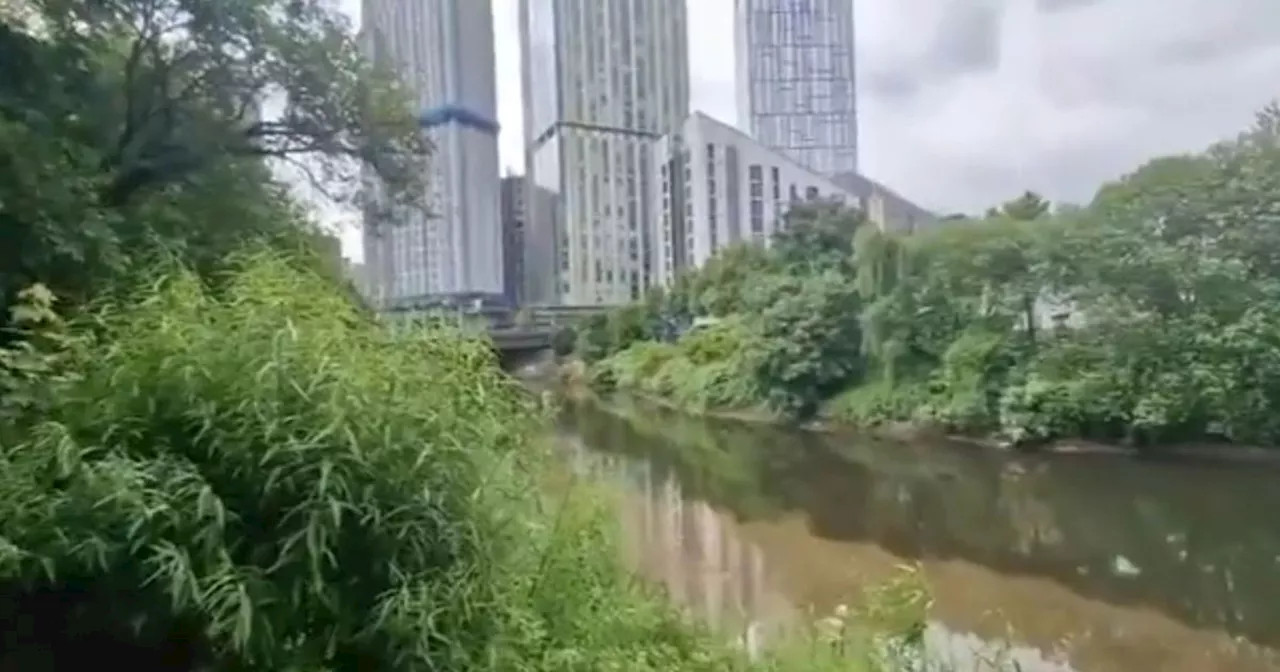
x: 517, y: 334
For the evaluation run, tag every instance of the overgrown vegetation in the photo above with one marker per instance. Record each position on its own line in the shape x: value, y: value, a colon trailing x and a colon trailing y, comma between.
x: 259, y: 477
x: 211, y: 457
x: 1147, y: 317
x: 132, y: 130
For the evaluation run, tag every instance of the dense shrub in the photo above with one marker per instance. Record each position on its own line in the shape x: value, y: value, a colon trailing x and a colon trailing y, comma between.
x: 563, y: 341
x: 267, y: 475
x: 880, y: 402
x: 706, y: 368
x: 263, y: 479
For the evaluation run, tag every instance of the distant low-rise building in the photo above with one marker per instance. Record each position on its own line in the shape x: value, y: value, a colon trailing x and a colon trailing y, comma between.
x: 885, y: 206
x: 716, y: 186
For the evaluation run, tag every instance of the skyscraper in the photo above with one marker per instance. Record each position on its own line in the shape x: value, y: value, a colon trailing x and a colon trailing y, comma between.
x: 443, y: 52
x: 602, y: 79
x: 796, y: 80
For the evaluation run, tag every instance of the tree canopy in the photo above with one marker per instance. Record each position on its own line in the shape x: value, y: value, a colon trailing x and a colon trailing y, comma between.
x: 135, y: 129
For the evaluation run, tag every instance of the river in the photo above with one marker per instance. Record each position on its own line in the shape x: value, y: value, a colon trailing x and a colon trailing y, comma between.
x: 1084, y: 563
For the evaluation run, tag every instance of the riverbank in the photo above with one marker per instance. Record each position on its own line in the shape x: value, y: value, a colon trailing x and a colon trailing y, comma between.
x: 573, y: 376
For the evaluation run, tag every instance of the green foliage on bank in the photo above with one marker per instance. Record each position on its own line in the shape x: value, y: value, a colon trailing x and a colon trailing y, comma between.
x: 259, y: 478
x: 1151, y: 315
x: 706, y: 370
x: 211, y: 455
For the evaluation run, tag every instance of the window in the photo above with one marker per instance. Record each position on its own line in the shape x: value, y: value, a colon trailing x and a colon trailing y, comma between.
x: 755, y: 188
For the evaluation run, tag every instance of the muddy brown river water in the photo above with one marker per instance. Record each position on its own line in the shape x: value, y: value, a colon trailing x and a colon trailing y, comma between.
x: 1060, y: 563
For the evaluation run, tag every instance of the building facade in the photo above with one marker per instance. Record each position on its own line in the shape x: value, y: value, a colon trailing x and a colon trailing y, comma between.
x: 443, y: 52
x: 513, y: 222
x: 518, y: 199
x: 602, y: 79
x: 796, y: 82
x: 717, y: 186
x: 885, y: 205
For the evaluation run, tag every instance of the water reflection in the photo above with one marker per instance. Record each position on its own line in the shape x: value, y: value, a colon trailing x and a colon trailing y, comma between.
x: 1102, y: 563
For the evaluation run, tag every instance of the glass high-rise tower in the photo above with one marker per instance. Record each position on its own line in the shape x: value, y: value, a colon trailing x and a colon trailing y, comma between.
x: 443, y: 52
x: 602, y: 79
x: 796, y: 80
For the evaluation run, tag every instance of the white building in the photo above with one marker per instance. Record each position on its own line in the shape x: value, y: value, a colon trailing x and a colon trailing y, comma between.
x: 602, y: 80
x: 885, y: 205
x: 717, y: 186
x: 796, y: 83
x: 443, y: 51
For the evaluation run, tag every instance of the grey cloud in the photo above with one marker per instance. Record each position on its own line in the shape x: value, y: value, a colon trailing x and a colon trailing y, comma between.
x: 967, y: 38
x: 892, y: 85
x: 1199, y: 50
x: 1076, y: 98
x: 964, y: 40
x: 1047, y: 6
x: 1247, y: 28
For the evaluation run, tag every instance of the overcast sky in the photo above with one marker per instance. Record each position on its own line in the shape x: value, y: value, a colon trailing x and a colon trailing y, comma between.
x: 965, y: 103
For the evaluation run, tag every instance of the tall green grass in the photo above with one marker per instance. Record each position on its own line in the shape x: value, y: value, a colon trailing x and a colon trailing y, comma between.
x: 259, y: 477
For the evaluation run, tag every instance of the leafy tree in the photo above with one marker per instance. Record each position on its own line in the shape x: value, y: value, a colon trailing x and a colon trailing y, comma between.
x: 807, y: 339
x: 563, y: 341
x: 178, y: 85
x: 594, y: 339
x: 1027, y: 207
x: 129, y: 130
x: 719, y: 288
x: 817, y: 236
x: 628, y: 325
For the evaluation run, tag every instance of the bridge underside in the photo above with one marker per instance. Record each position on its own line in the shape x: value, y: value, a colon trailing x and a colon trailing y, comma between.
x: 515, y: 359
x: 520, y: 347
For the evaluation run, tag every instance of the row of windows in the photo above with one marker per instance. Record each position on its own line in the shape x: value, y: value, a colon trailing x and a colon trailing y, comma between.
x: 609, y: 58
x: 807, y: 96
x: 790, y: 62
x: 765, y: 210
x: 713, y: 224
x: 760, y: 194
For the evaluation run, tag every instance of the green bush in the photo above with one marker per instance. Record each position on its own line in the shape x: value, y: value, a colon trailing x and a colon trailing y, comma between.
x: 706, y: 369
x: 263, y: 479
x: 563, y: 341
x: 806, y: 341
x: 594, y: 342
x: 717, y: 342
x: 880, y: 402
x: 267, y: 477
x: 638, y: 363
